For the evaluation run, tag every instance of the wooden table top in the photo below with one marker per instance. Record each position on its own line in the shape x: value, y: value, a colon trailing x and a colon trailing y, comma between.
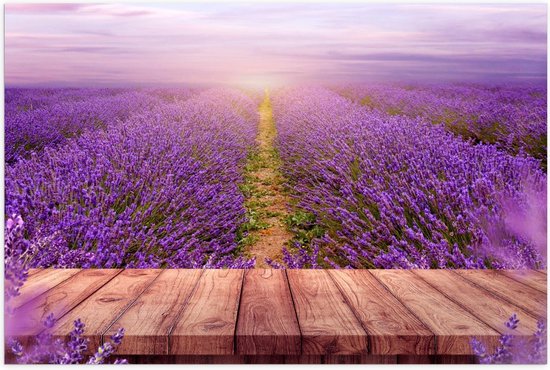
x: 284, y: 312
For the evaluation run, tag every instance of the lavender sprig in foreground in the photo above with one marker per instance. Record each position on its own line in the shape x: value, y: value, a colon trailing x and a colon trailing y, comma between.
x: 46, y: 349
x: 511, y: 350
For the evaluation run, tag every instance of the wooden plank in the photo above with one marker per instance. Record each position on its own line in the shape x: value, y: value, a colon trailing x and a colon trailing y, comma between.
x: 453, y: 326
x: 100, y: 309
x: 291, y: 359
x: 58, y: 300
x: 391, y: 327
x: 34, y: 271
x: 327, y: 323
x: 148, y: 321
x: 479, y: 302
x: 531, y: 300
x: 340, y: 313
x: 39, y: 282
x: 456, y: 359
x: 415, y: 359
x: 267, y: 323
x: 261, y: 359
x: 207, y: 324
x: 185, y: 359
x: 530, y: 278
x: 358, y: 359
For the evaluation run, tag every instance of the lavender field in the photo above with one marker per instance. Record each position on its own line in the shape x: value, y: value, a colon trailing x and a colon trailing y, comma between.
x: 275, y: 182
x: 372, y: 176
x: 389, y: 190
x: 154, y: 188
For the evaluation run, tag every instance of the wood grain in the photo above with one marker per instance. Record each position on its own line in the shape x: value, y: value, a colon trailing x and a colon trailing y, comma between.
x: 295, y: 359
x: 150, y: 318
x: 531, y: 300
x: 453, y: 326
x: 358, y: 359
x: 329, y: 316
x: 415, y: 359
x: 101, y: 309
x: 59, y: 300
x: 267, y: 323
x: 479, y: 302
x: 531, y: 278
x: 327, y: 323
x: 35, y: 271
x: 39, y: 282
x: 207, y: 324
x: 391, y: 327
x: 455, y: 359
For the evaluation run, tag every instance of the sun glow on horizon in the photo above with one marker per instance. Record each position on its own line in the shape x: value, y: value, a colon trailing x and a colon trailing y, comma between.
x: 258, y: 81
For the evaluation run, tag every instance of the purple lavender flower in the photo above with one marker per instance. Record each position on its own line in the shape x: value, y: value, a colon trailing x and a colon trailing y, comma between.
x: 37, y: 118
x: 49, y: 322
x: 15, y: 347
x: 107, y: 349
x: 46, y: 349
x: 510, y: 117
x: 394, y: 191
x: 511, y: 349
x: 118, y: 336
x: 540, y: 346
x: 154, y: 188
x: 512, y: 323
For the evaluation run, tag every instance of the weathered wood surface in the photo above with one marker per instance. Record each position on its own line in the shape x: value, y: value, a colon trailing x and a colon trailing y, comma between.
x: 391, y: 327
x: 517, y: 293
x: 531, y: 278
x: 40, y: 281
x: 340, y: 315
x: 452, y: 325
x: 97, y: 312
x: 487, y: 307
x: 59, y: 300
x: 303, y: 359
x: 150, y: 318
x: 207, y: 323
x: 327, y: 323
x: 267, y: 323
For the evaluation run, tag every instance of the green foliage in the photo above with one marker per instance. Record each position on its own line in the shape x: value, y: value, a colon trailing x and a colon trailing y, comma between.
x: 304, y: 227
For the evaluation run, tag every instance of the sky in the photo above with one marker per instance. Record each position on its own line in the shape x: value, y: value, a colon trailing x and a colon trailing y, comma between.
x: 272, y: 44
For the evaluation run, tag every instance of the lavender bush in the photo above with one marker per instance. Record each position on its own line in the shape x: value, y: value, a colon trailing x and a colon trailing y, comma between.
x: 39, y: 118
x: 160, y: 190
x: 513, y: 118
x: 397, y: 192
x: 157, y: 185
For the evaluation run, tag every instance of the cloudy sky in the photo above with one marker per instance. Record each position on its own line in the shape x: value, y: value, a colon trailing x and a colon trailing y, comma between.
x: 272, y: 44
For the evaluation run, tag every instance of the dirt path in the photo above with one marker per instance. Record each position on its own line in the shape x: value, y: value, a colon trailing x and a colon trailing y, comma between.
x: 265, y: 200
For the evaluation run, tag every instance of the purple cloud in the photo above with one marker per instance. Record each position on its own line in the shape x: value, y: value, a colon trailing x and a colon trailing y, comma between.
x: 278, y: 43
x: 42, y: 8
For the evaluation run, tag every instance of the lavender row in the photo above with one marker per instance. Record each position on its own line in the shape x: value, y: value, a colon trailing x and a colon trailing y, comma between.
x: 159, y: 190
x: 513, y: 118
x: 38, y: 118
x: 397, y: 192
